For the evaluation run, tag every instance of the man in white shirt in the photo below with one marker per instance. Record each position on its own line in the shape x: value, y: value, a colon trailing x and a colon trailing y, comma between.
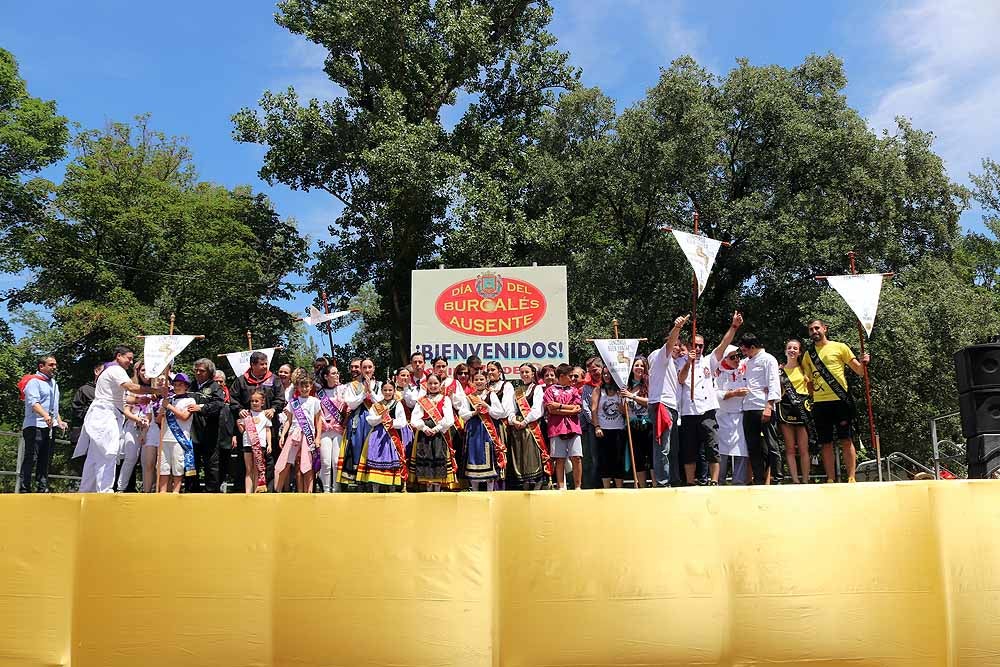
x: 699, y: 430
x: 101, y: 435
x: 763, y: 394
x: 663, y: 401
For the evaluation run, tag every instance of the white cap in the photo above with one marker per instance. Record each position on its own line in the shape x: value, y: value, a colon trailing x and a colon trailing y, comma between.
x: 729, y: 350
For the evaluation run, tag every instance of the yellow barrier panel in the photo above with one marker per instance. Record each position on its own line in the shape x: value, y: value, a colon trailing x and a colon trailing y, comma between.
x: 892, y: 574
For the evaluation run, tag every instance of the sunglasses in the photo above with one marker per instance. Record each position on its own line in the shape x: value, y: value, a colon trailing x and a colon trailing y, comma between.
x: 733, y: 357
x: 462, y: 373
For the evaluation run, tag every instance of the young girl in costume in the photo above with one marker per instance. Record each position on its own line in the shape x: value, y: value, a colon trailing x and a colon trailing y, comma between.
x: 527, y: 449
x: 334, y: 420
x: 304, y: 422
x: 433, y: 459
x: 256, y: 439
x: 138, y: 419
x: 485, y: 453
x: 177, y: 451
x: 382, y: 459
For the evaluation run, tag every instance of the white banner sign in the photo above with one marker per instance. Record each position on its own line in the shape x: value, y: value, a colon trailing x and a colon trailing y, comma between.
x: 700, y: 252
x: 159, y: 351
x: 240, y: 361
x: 861, y: 292
x: 510, y: 314
x: 618, y: 355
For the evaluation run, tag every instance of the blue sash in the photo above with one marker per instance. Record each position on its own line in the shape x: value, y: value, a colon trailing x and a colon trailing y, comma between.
x: 184, y: 442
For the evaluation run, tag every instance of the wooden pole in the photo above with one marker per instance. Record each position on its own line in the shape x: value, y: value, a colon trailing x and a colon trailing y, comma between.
x: 694, y: 308
x: 628, y: 427
x: 329, y: 325
x: 249, y: 340
x: 868, y: 387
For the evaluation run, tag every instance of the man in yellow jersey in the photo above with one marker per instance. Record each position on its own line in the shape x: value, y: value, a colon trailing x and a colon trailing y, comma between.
x: 824, y: 367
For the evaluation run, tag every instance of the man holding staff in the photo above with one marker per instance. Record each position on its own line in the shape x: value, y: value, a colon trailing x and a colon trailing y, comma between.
x: 663, y: 401
x: 832, y: 408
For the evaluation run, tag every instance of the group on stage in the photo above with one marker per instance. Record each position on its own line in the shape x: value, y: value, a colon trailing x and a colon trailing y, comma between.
x: 438, y: 427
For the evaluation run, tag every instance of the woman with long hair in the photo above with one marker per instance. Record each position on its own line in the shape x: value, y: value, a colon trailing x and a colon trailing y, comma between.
x: 609, y: 430
x: 527, y: 449
x: 793, y: 415
x: 637, y: 397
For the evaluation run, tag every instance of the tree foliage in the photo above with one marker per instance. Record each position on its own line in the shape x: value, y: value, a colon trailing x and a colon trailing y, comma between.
x: 134, y: 236
x: 384, y: 149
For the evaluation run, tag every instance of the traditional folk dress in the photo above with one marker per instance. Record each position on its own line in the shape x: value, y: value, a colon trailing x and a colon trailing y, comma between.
x: 334, y: 424
x: 485, y: 453
x: 526, y: 448
x: 433, y: 456
x: 358, y: 404
x: 384, y: 454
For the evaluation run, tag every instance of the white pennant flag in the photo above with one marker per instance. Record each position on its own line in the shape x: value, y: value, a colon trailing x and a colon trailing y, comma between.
x: 861, y: 292
x: 315, y: 317
x: 701, y: 252
x: 618, y: 355
x: 159, y: 351
x: 240, y: 361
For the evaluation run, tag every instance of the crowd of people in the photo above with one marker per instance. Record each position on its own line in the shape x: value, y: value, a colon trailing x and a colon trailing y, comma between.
x: 429, y: 427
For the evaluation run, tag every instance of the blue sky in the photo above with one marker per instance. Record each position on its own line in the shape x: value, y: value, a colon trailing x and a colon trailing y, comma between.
x: 192, y: 65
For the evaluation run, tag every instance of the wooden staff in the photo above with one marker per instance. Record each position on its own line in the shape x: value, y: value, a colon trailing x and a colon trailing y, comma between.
x: 329, y: 325
x: 868, y: 385
x: 628, y: 426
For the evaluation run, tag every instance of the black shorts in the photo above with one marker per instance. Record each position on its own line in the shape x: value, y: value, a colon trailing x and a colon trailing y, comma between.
x: 832, y: 419
x: 642, y: 443
x: 611, y: 454
x: 699, y: 431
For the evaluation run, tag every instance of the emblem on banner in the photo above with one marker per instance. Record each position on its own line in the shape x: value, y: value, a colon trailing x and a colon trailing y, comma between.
x: 489, y: 285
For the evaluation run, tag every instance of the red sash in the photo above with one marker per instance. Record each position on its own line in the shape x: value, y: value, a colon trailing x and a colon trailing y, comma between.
x: 484, y: 416
x: 431, y: 410
x: 520, y: 398
x: 258, y: 456
x: 397, y: 441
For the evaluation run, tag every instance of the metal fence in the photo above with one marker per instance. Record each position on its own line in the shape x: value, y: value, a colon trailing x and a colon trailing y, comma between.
x: 62, y: 477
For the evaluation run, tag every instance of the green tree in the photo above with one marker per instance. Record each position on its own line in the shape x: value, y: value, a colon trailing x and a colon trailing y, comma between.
x: 384, y: 149
x: 134, y: 236
x: 32, y: 137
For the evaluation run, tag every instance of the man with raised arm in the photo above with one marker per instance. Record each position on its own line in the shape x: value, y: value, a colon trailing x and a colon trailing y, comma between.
x: 663, y: 388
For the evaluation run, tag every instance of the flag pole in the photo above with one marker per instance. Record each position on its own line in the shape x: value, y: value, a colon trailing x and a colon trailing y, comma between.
x: 159, y: 447
x: 628, y: 426
x: 249, y: 340
x: 329, y: 325
x: 868, y: 387
x: 694, y: 307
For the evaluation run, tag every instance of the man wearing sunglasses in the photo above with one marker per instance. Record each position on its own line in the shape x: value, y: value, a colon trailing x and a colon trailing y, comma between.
x: 699, y: 430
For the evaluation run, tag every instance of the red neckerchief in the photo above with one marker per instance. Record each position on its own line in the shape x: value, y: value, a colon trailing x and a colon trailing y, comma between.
x: 23, y: 382
x: 591, y: 381
x: 225, y: 392
x: 253, y: 382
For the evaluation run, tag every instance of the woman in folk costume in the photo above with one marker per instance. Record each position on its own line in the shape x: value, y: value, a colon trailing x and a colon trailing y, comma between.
x: 407, y: 396
x: 433, y: 459
x: 303, y: 424
x: 485, y: 453
x: 504, y: 392
x: 359, y: 396
x: 334, y: 421
x: 527, y: 450
x: 383, y: 458
x: 453, y: 389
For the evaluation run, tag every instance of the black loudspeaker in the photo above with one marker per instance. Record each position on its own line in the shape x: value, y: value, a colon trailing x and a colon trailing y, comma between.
x: 983, y: 456
x: 980, y: 412
x: 978, y: 367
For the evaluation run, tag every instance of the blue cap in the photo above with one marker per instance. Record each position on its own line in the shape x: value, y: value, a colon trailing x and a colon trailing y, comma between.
x: 180, y: 377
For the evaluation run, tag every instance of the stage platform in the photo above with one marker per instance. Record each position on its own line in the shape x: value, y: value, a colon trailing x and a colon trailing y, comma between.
x: 867, y: 574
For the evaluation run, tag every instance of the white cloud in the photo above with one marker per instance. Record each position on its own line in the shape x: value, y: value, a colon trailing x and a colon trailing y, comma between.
x: 302, y: 68
x: 949, y: 83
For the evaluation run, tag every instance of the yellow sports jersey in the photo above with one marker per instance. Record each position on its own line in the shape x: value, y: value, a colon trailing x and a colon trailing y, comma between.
x: 835, y: 356
x: 797, y: 378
